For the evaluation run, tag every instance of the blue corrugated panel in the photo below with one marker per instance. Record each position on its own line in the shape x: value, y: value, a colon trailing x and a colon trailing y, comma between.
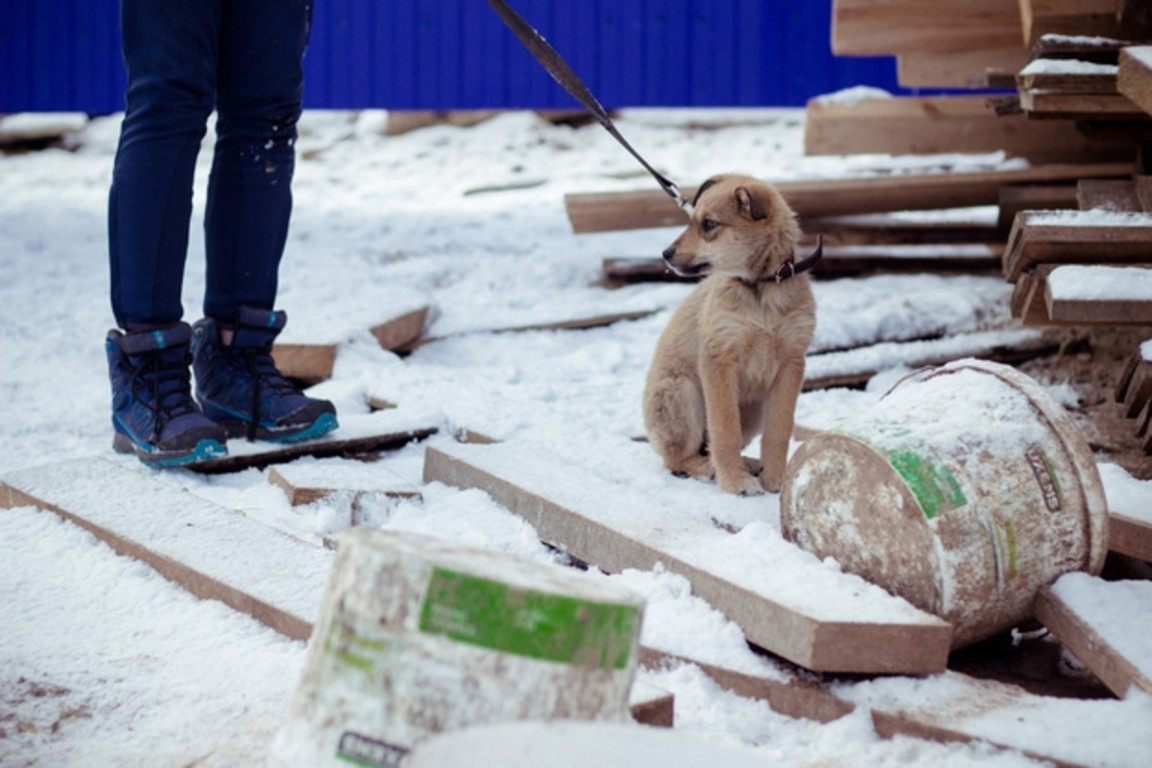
x: 456, y: 54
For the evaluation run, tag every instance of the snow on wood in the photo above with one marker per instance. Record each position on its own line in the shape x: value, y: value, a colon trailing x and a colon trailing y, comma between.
x: 204, y: 548
x: 36, y: 126
x: 1111, y: 295
x: 601, y: 212
x: 823, y: 620
x: 1130, y: 526
x: 651, y: 705
x: 357, y: 434
x: 956, y: 708
x: 1106, y: 625
x: 1075, y: 237
x: 305, y: 483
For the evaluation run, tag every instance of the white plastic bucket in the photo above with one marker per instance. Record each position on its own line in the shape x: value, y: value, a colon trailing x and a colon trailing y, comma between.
x: 963, y: 491
x: 418, y: 637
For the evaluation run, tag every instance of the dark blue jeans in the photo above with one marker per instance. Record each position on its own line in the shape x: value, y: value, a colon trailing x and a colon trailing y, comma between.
x: 185, y: 58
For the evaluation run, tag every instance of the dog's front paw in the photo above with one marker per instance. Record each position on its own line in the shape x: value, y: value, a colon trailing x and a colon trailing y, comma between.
x: 743, y: 485
x: 772, y: 484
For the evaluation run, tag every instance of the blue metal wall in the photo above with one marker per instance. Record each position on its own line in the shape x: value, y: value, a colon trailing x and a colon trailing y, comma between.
x: 456, y: 54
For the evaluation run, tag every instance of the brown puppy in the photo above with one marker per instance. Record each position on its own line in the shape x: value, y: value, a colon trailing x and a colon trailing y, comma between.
x: 730, y: 364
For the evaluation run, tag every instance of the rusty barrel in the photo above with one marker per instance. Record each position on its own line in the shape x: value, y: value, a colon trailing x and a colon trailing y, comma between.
x: 963, y: 490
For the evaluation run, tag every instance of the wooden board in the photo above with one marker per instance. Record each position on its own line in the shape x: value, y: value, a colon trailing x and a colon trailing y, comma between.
x: 1130, y: 536
x: 1067, y: 75
x: 1102, y: 639
x: 1069, y: 238
x: 938, y: 124
x: 307, y: 483
x: 306, y: 363
x: 357, y: 435
x: 1091, y: 18
x: 1109, y: 194
x: 1078, y: 105
x: 204, y: 548
x: 855, y: 367
x: 612, y: 527
x: 962, y: 709
x: 802, y: 696
x: 400, y: 334
x: 980, y: 68
x: 602, y: 212
x: 871, y: 28
x: 1035, y: 197
x: 1135, y: 77
x: 200, y: 546
x: 1104, y: 295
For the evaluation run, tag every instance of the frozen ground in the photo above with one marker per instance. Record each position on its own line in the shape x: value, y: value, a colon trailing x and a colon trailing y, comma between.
x: 104, y: 663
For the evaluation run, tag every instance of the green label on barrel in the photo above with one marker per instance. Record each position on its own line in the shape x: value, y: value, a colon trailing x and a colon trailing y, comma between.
x: 933, y: 485
x: 538, y: 625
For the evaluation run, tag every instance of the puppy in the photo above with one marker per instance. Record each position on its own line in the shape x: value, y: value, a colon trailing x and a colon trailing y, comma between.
x: 730, y: 363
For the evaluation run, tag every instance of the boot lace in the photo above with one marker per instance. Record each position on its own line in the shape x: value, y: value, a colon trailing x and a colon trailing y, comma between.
x: 167, y: 386
x: 266, y: 379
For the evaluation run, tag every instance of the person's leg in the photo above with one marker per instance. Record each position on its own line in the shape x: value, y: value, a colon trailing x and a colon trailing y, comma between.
x: 259, y: 91
x: 170, y: 54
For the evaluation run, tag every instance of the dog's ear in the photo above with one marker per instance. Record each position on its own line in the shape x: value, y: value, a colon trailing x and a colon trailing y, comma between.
x: 755, y: 203
x: 704, y: 188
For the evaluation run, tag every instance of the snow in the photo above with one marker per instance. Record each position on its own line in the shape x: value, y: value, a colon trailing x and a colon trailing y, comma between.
x: 1113, y: 609
x: 1080, y: 283
x: 104, y: 662
x: 1067, y: 67
x: 850, y: 97
x: 1098, y: 217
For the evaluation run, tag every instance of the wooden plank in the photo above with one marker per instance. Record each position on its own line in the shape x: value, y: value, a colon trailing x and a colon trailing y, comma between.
x: 956, y: 708
x: 1068, y: 75
x: 308, y: 483
x: 1134, y: 18
x: 1035, y: 197
x: 192, y: 542
x: 1107, y: 194
x: 1135, y: 76
x: 1094, y: 18
x: 650, y: 705
x: 357, y: 435
x: 602, y: 212
x: 1099, y: 295
x: 855, y: 367
x: 401, y: 333
x: 870, y: 28
x: 1138, y: 391
x: 801, y: 696
x: 980, y: 68
x: 1070, y: 237
x: 614, y: 528
x: 306, y: 363
x: 1100, y: 50
x: 1130, y: 536
x: 1040, y: 103
x: 1105, y: 625
x: 937, y: 124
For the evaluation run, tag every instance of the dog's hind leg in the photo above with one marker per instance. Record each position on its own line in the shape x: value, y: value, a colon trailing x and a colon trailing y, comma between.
x: 674, y: 421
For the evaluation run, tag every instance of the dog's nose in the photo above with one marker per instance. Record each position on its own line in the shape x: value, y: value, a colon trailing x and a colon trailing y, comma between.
x: 669, y: 254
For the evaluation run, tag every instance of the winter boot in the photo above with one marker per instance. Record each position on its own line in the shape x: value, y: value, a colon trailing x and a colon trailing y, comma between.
x: 240, y: 388
x: 153, y: 413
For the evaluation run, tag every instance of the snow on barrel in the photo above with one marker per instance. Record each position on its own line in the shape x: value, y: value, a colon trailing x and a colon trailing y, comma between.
x: 418, y: 636
x: 964, y: 490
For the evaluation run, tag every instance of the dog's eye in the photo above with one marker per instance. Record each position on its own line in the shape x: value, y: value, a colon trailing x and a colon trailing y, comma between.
x: 708, y: 225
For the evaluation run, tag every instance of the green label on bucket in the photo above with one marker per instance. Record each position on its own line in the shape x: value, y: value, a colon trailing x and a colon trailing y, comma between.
x: 538, y: 625
x: 933, y: 485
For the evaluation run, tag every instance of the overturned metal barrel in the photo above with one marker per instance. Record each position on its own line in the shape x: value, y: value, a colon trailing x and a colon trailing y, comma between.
x: 964, y: 491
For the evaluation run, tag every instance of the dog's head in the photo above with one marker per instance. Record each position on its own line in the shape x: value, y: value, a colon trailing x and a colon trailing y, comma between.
x: 740, y: 226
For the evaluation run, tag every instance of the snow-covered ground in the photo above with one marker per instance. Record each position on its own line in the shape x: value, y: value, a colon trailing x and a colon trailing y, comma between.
x: 102, y: 662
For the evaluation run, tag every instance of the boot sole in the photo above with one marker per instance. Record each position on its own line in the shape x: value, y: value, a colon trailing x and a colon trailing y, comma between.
x: 205, y: 450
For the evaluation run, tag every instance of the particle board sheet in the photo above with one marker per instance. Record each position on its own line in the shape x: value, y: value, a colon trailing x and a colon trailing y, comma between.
x: 1086, y: 295
x: 783, y: 599
x: 911, y: 125
x: 206, y: 549
x: 884, y: 27
x: 1135, y: 75
x: 1107, y: 625
x: 822, y: 198
x: 1076, y: 237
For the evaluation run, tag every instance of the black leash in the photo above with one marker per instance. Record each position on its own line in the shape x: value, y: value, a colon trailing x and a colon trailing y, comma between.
x: 563, y: 74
